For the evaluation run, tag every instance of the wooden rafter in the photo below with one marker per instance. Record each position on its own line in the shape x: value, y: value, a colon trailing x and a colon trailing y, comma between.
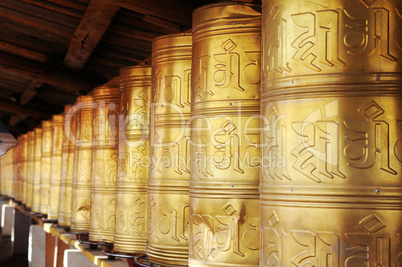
x: 25, y: 111
x: 37, y: 23
x: 176, y: 11
x: 23, y: 52
x: 41, y: 72
x: 30, y: 92
x: 93, y: 25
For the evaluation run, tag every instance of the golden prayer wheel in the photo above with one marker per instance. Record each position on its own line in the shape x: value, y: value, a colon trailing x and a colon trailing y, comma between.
x: 13, y: 186
x: 131, y: 186
x: 67, y: 169
x: 8, y: 172
x: 23, y: 166
x: 224, y: 197
x: 81, y: 191
x: 331, y: 184
x: 45, y: 165
x: 3, y: 175
x: 18, y: 170
x: 36, y: 183
x: 55, y: 167
x: 30, y: 168
x: 169, y: 175
x: 104, y: 162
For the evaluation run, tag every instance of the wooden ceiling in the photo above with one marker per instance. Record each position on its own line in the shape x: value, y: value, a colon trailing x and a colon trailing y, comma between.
x: 52, y: 51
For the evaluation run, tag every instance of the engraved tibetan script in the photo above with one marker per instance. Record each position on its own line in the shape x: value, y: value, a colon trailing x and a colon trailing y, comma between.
x: 317, y: 153
x: 368, y: 30
x: 318, y: 42
x: 368, y: 247
x: 368, y: 140
x: 276, y: 54
x: 223, y: 233
x: 276, y: 140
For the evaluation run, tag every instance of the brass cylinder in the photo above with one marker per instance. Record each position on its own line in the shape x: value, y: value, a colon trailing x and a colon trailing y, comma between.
x: 331, y: 189
x: 55, y: 167
x: 224, y: 197
x: 18, y: 170
x: 23, y: 166
x: 81, y: 192
x: 104, y: 164
x: 169, y: 180
x: 8, y: 172
x: 15, y: 172
x: 3, y: 175
x: 30, y: 167
x: 45, y: 165
x: 36, y: 183
x: 67, y: 169
x: 131, y: 186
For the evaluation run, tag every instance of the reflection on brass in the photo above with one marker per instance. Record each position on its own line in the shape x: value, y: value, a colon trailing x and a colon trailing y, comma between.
x: 14, y: 177
x: 37, y: 170
x: 17, y: 189
x: 30, y: 168
x: 131, y: 186
x: 67, y: 169
x: 331, y: 189
x: 7, y: 169
x: 3, y: 174
x: 81, y: 191
x: 45, y: 165
x: 224, y: 197
x: 169, y: 180
x: 55, y: 169
x: 104, y: 164
x: 23, y: 167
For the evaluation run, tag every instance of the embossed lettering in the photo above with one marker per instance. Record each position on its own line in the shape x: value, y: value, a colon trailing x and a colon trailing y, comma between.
x: 398, y: 31
x: 228, y: 67
x: 368, y: 31
x: 319, y: 39
x: 226, y: 142
x: 319, y: 249
x: 369, y: 246
x: 369, y: 140
x: 275, y: 138
x: 277, y: 61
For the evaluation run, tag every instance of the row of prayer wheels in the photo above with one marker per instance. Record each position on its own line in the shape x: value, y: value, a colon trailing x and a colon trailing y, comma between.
x: 170, y: 162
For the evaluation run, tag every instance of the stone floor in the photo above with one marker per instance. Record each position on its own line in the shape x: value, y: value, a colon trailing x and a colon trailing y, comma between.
x: 16, y: 260
x: 7, y: 259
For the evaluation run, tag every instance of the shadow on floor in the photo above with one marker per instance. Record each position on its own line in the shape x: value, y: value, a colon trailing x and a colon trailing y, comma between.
x: 7, y: 259
x: 16, y: 260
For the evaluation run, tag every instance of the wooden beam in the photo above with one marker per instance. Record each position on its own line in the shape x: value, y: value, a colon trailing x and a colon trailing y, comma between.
x: 44, y: 73
x: 31, y: 21
x: 176, y: 11
x: 23, y: 52
x: 16, y: 119
x: 135, y: 34
x: 78, y: 5
x: 30, y: 92
x: 145, y: 62
x: 57, y: 8
x: 25, y: 111
x: 41, y: 13
x: 163, y: 23
x: 93, y: 25
x: 17, y: 131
